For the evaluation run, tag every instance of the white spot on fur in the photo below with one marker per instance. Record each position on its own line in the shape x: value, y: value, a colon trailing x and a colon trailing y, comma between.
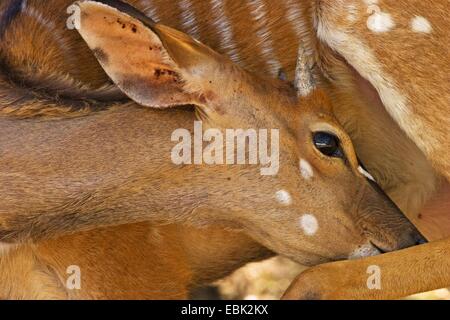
x: 421, y: 25
x: 365, y: 173
x: 283, y: 197
x: 379, y: 21
x: 38, y: 16
x: 309, y: 224
x: 306, y: 170
x: 371, y: 2
x: 364, y: 251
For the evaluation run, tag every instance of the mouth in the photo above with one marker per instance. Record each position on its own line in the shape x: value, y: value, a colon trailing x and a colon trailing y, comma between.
x: 378, y: 248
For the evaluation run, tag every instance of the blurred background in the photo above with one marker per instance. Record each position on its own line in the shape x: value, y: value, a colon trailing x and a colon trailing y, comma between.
x: 269, y: 279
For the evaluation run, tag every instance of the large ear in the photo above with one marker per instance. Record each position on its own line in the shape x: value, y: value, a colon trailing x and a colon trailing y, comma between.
x: 154, y: 65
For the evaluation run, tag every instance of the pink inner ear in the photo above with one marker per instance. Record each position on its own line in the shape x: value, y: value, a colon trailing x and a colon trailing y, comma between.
x: 133, y: 56
x: 161, y: 88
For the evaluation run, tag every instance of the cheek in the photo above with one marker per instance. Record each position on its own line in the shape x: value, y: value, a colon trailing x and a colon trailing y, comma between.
x: 309, y: 224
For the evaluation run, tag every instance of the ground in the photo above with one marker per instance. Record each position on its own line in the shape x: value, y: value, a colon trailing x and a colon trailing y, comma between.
x: 270, y: 278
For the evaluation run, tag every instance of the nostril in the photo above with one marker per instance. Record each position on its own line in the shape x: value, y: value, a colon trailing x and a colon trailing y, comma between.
x: 419, y: 238
x: 421, y: 241
x: 415, y: 237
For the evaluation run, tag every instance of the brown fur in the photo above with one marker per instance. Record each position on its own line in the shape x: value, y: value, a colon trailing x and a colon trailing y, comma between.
x: 136, y: 261
x: 409, y: 183
x: 89, y: 74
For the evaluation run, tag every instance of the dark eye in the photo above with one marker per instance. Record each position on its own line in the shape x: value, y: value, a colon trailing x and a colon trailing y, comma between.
x: 328, y: 144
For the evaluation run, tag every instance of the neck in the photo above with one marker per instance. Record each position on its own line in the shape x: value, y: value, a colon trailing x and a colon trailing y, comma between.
x: 98, y: 174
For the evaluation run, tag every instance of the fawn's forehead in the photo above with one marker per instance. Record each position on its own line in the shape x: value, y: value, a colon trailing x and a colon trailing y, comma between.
x: 291, y: 114
x: 306, y: 111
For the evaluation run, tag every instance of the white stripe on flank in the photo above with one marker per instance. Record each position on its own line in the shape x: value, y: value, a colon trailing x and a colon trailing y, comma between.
x: 259, y: 13
x: 48, y: 24
x: 188, y: 18
x: 299, y: 22
x: 224, y: 30
x: 38, y: 16
x: 150, y: 10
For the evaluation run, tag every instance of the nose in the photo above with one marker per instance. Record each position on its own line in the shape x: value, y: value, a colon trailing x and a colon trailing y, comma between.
x: 418, y: 238
x: 383, y: 223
